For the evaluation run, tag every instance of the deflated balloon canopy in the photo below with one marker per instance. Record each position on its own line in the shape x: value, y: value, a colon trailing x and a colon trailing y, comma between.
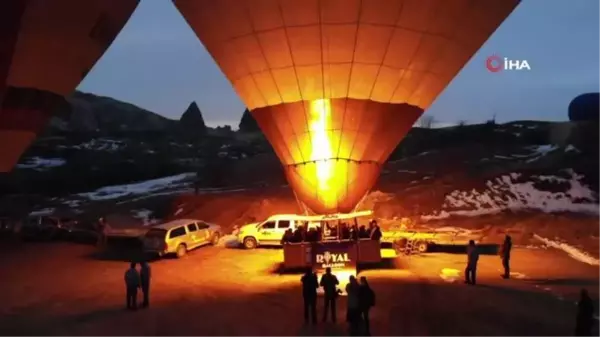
x: 47, y: 48
x: 336, y: 84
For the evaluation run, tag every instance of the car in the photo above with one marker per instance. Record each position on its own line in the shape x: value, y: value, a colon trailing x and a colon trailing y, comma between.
x: 47, y: 227
x: 268, y: 232
x: 180, y: 236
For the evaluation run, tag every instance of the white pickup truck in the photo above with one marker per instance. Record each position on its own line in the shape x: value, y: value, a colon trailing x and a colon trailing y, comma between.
x: 270, y: 231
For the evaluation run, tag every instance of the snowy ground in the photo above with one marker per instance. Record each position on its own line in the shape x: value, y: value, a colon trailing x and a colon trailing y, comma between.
x: 144, y: 187
x: 509, y: 193
x: 238, y: 292
x: 41, y: 164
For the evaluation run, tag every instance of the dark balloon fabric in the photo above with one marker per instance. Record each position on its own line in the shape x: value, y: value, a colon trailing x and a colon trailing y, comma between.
x: 585, y: 107
x: 46, y: 49
x: 336, y: 84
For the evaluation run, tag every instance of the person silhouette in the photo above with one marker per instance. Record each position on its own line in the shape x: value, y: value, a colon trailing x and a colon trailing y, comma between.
x: 366, y: 299
x: 309, y: 295
x: 353, y: 315
x: 506, y: 248
x: 472, y: 259
x: 585, y: 314
x: 145, y: 277
x: 329, y: 283
x: 132, y: 283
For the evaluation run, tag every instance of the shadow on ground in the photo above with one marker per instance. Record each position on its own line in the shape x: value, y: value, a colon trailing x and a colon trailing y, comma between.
x: 484, y: 249
x: 565, y: 282
x: 404, y: 307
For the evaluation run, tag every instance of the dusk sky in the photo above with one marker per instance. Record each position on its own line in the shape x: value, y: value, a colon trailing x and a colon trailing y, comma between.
x: 158, y: 63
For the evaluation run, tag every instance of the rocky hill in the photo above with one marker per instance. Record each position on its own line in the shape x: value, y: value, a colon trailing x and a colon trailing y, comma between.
x: 433, y: 173
x: 93, y: 113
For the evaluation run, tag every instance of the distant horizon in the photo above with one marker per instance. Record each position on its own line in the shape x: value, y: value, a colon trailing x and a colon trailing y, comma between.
x: 235, y: 124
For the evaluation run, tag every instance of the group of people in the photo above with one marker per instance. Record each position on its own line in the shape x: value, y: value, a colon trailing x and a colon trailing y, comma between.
x: 361, y: 298
x: 135, y: 280
x: 346, y: 232
x: 585, y: 306
x: 473, y: 259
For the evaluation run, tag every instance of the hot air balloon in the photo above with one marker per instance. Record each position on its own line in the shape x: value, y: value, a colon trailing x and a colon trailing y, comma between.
x: 585, y: 107
x: 336, y: 84
x: 46, y: 49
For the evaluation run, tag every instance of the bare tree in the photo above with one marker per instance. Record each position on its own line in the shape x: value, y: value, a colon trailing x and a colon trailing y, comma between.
x: 461, y: 123
x: 426, y: 121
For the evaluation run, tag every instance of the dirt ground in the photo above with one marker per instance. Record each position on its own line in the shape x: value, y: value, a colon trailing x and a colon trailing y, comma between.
x: 67, y: 289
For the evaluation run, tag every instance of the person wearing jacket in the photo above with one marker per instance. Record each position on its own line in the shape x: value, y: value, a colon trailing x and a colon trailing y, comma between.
x: 585, y: 315
x: 353, y: 315
x: 366, y: 299
x: 505, y: 256
x: 145, y: 277
x: 329, y: 282
x: 132, y: 283
x: 472, y: 259
x: 310, y: 285
x: 374, y: 231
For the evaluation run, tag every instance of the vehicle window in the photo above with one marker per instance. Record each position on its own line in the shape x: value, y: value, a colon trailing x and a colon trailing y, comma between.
x: 192, y: 227
x: 202, y: 225
x: 283, y: 224
x: 177, y: 232
x: 156, y: 233
x: 268, y: 225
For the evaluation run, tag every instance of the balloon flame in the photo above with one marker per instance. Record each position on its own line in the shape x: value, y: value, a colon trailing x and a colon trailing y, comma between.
x: 321, y: 152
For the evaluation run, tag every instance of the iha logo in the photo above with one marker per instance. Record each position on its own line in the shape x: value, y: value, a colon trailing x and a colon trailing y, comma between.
x: 496, y: 64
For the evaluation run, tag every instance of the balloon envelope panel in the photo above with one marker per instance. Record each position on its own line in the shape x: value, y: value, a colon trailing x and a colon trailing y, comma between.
x: 48, y: 47
x: 348, y: 73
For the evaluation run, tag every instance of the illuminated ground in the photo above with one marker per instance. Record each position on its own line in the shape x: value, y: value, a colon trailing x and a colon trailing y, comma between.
x: 61, y: 289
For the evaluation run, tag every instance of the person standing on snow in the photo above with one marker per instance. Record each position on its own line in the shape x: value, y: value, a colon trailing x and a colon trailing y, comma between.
x: 309, y: 294
x: 505, y: 256
x: 132, y: 283
x: 585, y: 315
x: 329, y: 283
x: 145, y: 277
x: 473, y: 258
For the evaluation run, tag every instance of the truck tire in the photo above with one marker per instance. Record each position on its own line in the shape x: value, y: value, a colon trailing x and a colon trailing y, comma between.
x: 215, y: 239
x: 422, y: 246
x: 250, y: 243
x: 181, y: 250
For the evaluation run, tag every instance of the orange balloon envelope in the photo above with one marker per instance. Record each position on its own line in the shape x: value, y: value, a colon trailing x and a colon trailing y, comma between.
x: 46, y: 48
x: 336, y: 84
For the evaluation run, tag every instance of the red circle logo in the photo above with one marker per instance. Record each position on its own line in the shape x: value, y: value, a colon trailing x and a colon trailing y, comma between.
x: 494, y: 63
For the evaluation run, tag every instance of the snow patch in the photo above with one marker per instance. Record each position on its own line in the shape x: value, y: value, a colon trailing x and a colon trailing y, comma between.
x: 149, y: 186
x: 505, y: 193
x: 543, y: 149
x: 100, y: 144
x: 41, y: 164
x: 373, y: 198
x: 571, y: 148
x: 517, y: 275
x: 448, y: 229
x: 42, y: 212
x: 144, y: 215
x: 573, y: 252
x: 540, y: 150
